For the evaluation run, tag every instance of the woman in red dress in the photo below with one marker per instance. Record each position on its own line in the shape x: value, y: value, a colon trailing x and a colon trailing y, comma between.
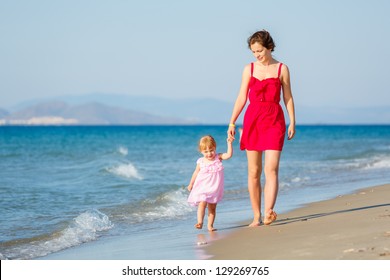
x: 264, y: 126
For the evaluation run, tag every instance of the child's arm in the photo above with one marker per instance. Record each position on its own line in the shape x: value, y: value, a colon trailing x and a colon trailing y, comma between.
x: 229, y: 152
x: 196, y: 171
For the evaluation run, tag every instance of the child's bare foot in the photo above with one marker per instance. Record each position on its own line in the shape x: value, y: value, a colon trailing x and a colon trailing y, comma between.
x: 212, y: 229
x: 199, y: 225
x: 270, y: 217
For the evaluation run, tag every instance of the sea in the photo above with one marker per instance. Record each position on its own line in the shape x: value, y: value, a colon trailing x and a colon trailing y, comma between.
x: 119, y: 192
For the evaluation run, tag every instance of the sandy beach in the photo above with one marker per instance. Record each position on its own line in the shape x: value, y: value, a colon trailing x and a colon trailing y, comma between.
x: 349, y: 227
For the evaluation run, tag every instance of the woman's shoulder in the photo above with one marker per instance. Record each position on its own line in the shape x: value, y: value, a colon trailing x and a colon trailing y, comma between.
x: 248, y: 66
x: 247, y: 69
x: 282, y: 64
x: 284, y: 71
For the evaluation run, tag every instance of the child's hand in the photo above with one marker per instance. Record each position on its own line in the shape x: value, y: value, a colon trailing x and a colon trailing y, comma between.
x: 189, y: 188
x: 230, y: 139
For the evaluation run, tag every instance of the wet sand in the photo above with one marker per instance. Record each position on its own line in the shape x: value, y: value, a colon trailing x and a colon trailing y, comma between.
x: 348, y: 227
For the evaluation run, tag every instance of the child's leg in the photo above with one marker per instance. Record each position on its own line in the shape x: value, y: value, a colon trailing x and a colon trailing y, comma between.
x: 201, y: 211
x: 212, y: 209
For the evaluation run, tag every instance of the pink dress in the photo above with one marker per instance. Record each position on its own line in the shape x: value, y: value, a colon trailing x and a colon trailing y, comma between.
x: 209, y: 183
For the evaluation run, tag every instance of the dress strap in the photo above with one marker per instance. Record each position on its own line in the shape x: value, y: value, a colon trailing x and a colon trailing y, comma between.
x: 252, y: 69
x: 280, y: 69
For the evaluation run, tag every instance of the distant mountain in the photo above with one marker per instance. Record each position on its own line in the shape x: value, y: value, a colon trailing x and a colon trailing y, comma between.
x: 94, y: 113
x: 100, y: 108
x: 195, y: 110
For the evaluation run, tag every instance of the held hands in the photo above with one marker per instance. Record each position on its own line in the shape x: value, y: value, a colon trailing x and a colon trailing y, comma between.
x: 231, y: 133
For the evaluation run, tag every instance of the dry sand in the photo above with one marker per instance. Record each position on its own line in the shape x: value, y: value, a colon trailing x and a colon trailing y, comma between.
x: 349, y: 227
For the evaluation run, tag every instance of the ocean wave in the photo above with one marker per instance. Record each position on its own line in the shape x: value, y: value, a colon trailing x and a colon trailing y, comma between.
x: 367, y: 163
x: 123, y: 151
x: 84, y: 228
x: 300, y: 179
x: 169, y: 205
x: 378, y: 163
x: 126, y: 170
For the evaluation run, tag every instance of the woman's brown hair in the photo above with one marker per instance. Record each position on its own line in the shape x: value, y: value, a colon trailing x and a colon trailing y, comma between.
x: 262, y: 37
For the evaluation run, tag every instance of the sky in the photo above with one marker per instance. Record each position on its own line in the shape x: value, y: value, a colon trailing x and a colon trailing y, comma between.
x: 337, y: 51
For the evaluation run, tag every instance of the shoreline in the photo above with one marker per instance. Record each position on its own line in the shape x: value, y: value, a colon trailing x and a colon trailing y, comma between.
x: 348, y: 227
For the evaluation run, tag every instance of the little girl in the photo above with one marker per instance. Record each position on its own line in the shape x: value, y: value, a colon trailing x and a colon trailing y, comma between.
x: 207, y: 181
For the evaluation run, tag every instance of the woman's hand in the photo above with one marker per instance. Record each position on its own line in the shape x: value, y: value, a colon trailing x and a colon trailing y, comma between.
x: 231, y: 133
x: 291, y: 131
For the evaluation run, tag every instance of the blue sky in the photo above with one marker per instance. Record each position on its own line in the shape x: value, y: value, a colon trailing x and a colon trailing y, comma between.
x: 337, y: 51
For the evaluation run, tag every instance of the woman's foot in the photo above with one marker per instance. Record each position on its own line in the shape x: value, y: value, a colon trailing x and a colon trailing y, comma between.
x: 270, y: 217
x: 255, y: 223
x: 199, y: 225
x: 212, y: 229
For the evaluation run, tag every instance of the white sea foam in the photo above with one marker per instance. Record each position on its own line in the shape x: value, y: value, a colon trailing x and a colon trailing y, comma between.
x: 367, y: 163
x: 126, y: 170
x: 300, y: 180
x: 123, y: 151
x: 170, y: 205
x: 83, y: 228
x: 379, y: 163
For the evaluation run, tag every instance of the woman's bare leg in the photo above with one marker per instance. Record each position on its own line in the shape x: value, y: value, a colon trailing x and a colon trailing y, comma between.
x: 254, y: 187
x: 271, y: 171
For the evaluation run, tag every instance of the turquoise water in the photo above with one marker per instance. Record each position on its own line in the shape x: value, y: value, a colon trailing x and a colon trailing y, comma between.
x: 64, y: 187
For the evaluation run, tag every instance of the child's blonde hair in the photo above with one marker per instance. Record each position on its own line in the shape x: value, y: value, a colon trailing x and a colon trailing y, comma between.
x: 207, y: 142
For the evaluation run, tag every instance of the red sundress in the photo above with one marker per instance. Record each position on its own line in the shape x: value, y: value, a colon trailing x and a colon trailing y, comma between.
x: 264, y: 127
